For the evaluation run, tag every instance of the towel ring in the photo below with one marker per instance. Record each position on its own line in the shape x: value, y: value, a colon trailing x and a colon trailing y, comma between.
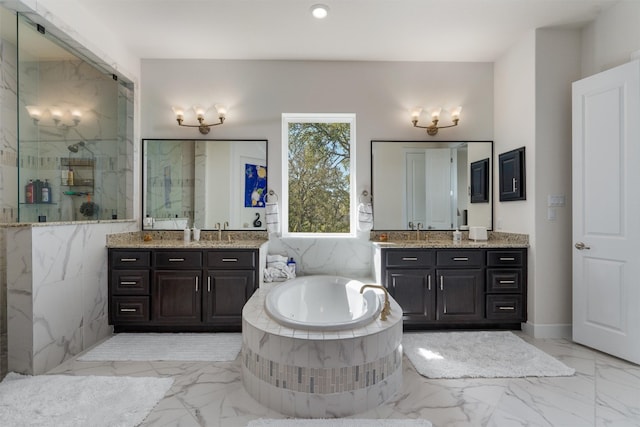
x: 365, y: 194
x: 270, y: 193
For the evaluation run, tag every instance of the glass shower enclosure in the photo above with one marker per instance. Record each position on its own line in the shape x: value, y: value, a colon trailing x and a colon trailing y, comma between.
x: 75, y: 133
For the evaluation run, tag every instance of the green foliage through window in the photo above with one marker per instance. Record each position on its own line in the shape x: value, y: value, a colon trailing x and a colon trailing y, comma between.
x: 319, y: 177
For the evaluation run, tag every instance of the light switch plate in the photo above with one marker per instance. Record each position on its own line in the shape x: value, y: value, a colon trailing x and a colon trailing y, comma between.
x: 556, y: 200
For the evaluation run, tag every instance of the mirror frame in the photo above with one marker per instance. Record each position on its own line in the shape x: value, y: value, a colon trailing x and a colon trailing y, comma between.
x: 143, y: 169
x: 400, y: 141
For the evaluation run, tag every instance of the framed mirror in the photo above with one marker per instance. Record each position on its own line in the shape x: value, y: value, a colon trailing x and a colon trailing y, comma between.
x: 204, y: 183
x: 430, y: 183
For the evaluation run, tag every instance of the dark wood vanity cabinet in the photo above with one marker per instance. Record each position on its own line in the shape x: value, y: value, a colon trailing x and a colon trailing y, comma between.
x: 231, y: 280
x: 449, y: 287
x: 180, y: 290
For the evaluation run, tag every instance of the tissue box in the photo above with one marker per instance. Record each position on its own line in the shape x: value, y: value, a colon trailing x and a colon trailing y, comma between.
x: 477, y: 233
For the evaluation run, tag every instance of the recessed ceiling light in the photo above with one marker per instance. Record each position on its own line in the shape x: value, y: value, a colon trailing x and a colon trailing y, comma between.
x: 319, y: 11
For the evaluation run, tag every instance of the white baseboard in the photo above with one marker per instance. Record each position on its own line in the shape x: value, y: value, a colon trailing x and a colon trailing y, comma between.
x: 548, y: 331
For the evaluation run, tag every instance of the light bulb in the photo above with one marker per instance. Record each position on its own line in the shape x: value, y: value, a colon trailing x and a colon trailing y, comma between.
x: 435, y: 113
x: 199, y: 111
x: 455, y: 113
x: 34, y: 111
x: 179, y: 112
x: 415, y: 113
x: 221, y: 109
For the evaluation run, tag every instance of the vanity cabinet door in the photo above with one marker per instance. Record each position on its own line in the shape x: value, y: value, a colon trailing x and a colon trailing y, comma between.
x: 177, y: 297
x: 460, y: 294
x: 413, y: 290
x: 226, y: 293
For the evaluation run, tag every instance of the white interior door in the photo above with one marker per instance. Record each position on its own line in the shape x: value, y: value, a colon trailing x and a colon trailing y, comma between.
x: 439, y: 189
x: 416, y: 201
x: 606, y: 211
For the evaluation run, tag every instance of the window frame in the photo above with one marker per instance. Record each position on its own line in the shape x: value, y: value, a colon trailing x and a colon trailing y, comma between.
x: 288, y: 118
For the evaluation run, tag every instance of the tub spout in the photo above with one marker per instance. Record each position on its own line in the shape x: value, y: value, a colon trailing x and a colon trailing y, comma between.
x: 386, y: 309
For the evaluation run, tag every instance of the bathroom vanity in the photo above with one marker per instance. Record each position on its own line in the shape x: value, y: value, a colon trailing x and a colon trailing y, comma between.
x: 170, y: 286
x: 440, y: 284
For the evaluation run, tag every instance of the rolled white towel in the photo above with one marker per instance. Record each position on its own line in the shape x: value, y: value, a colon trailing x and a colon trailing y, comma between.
x: 277, y: 258
x: 272, y: 217
x: 365, y: 217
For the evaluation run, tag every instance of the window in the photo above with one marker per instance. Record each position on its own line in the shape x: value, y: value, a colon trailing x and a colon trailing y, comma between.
x: 318, y: 159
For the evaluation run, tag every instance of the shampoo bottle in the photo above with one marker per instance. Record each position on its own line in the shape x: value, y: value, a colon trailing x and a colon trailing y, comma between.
x: 457, y: 236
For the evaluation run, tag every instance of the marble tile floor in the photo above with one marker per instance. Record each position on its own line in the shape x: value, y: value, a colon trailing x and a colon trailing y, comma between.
x: 604, y: 392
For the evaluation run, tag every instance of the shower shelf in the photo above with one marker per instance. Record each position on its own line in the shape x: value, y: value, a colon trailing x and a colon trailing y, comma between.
x: 83, y: 171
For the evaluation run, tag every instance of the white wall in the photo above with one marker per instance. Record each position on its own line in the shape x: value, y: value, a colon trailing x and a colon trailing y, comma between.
x: 557, y: 66
x: 381, y: 94
x: 611, y: 38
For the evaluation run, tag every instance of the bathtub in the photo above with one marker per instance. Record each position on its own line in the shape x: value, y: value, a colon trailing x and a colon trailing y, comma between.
x: 328, y: 303
x: 336, y: 357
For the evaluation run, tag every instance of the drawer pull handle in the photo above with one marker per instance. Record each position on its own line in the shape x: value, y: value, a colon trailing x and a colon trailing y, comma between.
x: 176, y: 259
x: 506, y: 308
x: 229, y: 259
x: 510, y: 258
x: 128, y: 259
x: 462, y: 258
x: 507, y: 282
x: 407, y: 258
x: 128, y: 310
x: 128, y: 283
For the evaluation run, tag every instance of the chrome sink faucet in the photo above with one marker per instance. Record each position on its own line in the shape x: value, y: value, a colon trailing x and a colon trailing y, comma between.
x: 219, y: 228
x: 386, y: 309
x: 418, y: 230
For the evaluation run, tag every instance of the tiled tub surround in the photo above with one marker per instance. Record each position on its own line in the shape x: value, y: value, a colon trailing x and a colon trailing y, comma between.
x: 319, y: 374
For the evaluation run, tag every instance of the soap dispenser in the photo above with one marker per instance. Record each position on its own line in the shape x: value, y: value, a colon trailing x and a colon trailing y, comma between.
x: 457, y: 236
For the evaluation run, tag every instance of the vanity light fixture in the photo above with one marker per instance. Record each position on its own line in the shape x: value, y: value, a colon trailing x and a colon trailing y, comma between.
x: 57, y: 115
x: 203, y: 127
x: 320, y: 11
x: 432, y: 129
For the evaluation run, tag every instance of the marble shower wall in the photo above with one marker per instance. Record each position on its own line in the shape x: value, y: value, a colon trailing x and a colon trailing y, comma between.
x: 8, y: 163
x: 56, y: 291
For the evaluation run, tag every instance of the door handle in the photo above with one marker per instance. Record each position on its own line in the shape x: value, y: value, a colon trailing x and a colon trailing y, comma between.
x: 580, y: 246
x: 513, y: 183
x: 209, y: 284
x: 196, y: 284
x: 429, y: 282
x: 442, y: 283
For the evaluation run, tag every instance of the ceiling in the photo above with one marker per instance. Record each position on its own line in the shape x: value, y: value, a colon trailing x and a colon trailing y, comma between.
x: 390, y: 30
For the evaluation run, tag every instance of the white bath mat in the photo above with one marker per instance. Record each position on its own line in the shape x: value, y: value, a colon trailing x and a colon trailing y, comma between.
x: 70, y: 401
x: 185, y: 346
x: 338, y: 422
x: 478, y: 355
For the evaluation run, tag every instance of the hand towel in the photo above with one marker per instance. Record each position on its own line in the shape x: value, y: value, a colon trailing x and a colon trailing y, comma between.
x: 365, y: 217
x: 272, y: 217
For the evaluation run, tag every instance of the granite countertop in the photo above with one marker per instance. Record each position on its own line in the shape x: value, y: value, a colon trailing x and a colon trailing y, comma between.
x: 446, y: 244
x: 180, y: 244
x: 174, y: 239
x: 444, y: 240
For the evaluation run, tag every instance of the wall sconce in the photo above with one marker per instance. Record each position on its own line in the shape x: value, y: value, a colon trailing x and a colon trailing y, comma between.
x: 203, y: 127
x: 432, y: 129
x: 57, y: 115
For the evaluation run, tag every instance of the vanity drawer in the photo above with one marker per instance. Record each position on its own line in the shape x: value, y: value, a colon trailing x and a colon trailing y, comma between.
x: 409, y: 258
x: 457, y: 258
x: 130, y: 282
x: 231, y: 259
x: 178, y: 259
x: 504, y: 258
x: 504, y: 280
x: 130, y: 309
x: 504, y: 307
x: 129, y: 259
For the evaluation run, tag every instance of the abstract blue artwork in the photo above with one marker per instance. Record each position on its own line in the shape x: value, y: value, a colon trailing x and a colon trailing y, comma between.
x: 255, y: 185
